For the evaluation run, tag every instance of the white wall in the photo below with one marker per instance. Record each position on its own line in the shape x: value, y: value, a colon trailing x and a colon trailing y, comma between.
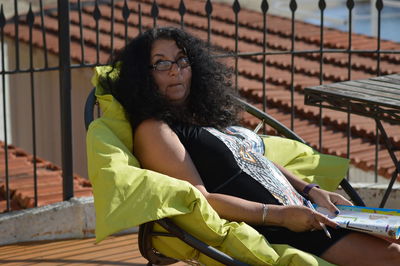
x: 47, y: 109
x: 4, y: 93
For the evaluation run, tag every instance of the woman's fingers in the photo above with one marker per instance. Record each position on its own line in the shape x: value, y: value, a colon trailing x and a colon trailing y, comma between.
x: 302, y: 218
x: 343, y: 201
x: 320, y: 218
x: 334, y: 199
x: 332, y: 208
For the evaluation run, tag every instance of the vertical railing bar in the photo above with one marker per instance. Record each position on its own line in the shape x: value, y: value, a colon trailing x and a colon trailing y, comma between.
x: 97, y: 16
x: 379, y: 6
x: 208, y: 8
x: 16, y: 26
x: 3, y: 83
x: 264, y: 106
x: 236, y: 10
x: 350, y: 5
x: 140, y: 18
x: 321, y: 68
x: 46, y: 61
x: 131, y: 11
x: 182, y: 11
x: 321, y: 45
x: 81, y: 33
x: 348, y: 138
x: 30, y: 21
x: 154, y: 13
x: 182, y: 23
x: 112, y: 28
x: 126, y: 32
x: 293, y: 6
x: 65, y: 98
x: 264, y: 8
x: 125, y: 15
x: 236, y: 52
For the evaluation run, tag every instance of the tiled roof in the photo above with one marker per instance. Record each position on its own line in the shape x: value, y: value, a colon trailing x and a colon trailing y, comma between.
x: 21, y: 181
x: 278, y: 71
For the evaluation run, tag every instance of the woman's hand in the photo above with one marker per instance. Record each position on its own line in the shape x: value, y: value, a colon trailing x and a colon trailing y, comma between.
x: 327, y: 199
x: 302, y: 218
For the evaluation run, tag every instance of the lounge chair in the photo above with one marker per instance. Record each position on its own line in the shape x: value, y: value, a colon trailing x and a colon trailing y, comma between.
x: 126, y: 195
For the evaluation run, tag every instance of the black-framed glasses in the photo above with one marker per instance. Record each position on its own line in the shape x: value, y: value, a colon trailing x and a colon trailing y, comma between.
x: 165, y: 65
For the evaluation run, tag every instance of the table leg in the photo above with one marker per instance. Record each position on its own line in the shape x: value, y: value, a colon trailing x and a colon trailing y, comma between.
x: 389, y: 188
x: 391, y: 150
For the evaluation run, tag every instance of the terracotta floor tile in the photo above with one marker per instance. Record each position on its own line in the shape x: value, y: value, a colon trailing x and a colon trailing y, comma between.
x: 116, y: 250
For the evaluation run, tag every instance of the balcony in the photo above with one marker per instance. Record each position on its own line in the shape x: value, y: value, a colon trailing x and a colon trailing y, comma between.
x: 40, y: 158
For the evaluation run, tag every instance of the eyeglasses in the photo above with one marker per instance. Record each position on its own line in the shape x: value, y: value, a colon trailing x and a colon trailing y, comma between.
x: 165, y: 65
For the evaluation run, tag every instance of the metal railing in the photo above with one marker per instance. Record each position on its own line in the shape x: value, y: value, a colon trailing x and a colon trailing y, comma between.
x: 134, y: 18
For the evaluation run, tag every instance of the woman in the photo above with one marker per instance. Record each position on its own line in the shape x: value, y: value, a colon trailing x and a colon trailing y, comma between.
x: 180, y: 104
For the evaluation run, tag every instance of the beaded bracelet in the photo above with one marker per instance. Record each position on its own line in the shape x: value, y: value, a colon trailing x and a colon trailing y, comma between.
x: 307, y: 189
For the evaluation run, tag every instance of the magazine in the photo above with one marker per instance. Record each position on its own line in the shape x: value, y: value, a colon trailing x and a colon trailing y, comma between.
x: 380, y: 221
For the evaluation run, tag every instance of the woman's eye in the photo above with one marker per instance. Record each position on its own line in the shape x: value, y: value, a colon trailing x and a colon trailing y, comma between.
x: 162, y: 63
x: 183, y: 61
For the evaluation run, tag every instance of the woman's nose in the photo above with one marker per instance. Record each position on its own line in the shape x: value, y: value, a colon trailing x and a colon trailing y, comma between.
x: 174, y: 69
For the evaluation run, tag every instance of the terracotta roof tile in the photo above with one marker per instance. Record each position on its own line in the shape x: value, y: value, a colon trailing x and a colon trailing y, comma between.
x: 21, y: 181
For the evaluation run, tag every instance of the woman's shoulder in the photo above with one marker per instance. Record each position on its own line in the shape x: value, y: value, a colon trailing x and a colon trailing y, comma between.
x: 152, y: 133
x: 151, y: 127
x: 157, y: 128
x: 151, y: 122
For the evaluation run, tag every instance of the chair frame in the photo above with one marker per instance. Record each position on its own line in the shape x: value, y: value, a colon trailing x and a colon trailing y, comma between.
x: 146, y: 232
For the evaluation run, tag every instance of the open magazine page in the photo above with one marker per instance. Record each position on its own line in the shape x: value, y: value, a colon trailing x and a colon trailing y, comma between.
x: 379, y: 221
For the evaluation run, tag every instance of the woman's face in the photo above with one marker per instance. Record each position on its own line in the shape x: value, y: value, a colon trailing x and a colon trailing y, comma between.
x: 173, y: 83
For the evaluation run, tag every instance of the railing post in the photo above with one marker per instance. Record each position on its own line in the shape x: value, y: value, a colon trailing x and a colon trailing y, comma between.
x: 65, y: 97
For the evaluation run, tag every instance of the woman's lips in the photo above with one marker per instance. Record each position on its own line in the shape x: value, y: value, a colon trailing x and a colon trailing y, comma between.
x: 175, y: 85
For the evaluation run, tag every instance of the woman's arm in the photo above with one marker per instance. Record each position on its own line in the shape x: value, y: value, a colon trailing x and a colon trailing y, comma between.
x: 297, y: 183
x: 158, y: 148
x: 321, y: 197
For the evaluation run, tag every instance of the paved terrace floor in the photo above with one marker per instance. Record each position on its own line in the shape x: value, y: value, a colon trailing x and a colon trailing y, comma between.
x: 117, y: 250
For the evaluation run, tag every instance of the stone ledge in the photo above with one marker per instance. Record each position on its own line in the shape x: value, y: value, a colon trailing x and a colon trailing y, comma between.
x: 372, y: 194
x: 68, y: 219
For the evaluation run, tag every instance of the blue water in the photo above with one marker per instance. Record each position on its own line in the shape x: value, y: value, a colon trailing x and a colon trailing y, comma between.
x: 390, y: 21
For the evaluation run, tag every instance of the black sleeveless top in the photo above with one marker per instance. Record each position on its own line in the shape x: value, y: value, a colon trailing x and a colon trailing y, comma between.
x: 226, y: 162
x: 232, y: 162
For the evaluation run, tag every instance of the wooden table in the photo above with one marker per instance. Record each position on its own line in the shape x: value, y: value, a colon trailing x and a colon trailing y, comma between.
x: 377, y: 98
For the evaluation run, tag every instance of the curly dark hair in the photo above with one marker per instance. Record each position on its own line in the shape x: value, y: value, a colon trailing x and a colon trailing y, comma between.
x: 210, y: 102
